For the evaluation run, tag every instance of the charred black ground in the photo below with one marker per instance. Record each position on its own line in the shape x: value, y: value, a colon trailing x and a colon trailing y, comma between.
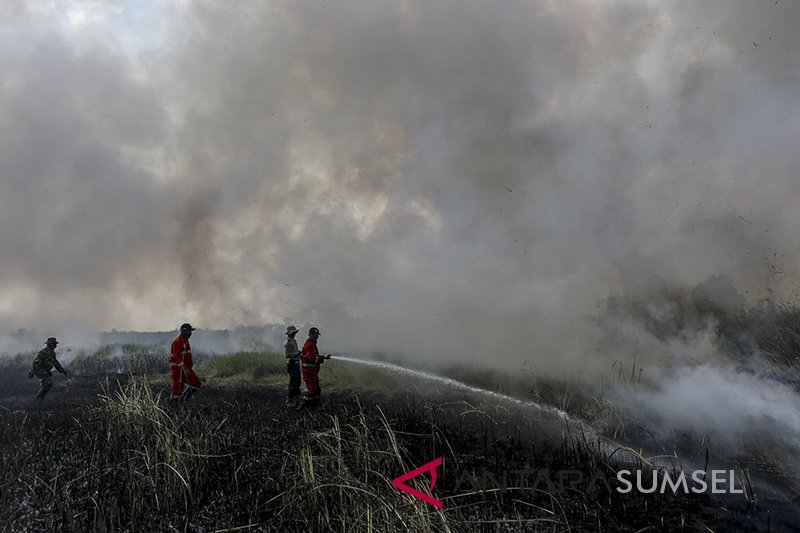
x: 107, y: 453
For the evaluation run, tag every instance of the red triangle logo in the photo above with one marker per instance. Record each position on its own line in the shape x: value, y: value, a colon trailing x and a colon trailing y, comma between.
x: 400, y: 482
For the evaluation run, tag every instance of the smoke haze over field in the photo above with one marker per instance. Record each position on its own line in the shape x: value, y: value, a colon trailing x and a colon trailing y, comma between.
x: 457, y: 179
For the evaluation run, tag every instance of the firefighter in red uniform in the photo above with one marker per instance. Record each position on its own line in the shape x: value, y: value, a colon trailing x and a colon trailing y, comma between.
x: 310, y: 359
x: 184, y: 379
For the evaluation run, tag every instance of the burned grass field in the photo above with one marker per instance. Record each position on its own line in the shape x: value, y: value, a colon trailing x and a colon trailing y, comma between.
x: 108, y: 453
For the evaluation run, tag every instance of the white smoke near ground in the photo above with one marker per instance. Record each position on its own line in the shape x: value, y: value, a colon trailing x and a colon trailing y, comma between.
x: 720, y: 401
x: 74, y: 343
x: 31, y: 341
x: 736, y: 417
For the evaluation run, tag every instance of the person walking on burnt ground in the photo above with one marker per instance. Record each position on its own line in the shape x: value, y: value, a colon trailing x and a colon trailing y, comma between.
x: 184, y: 379
x: 310, y: 360
x: 43, y: 364
x: 292, y: 354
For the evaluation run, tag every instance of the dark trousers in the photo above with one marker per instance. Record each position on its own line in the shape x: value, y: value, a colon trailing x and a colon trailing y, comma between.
x: 293, y: 368
x: 46, y: 383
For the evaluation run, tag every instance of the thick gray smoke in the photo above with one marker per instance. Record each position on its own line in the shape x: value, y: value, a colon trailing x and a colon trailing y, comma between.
x: 456, y: 179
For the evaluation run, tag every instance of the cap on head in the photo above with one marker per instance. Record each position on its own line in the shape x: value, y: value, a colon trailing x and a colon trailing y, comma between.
x: 291, y: 329
x: 314, y: 331
x: 51, y: 340
x: 186, y: 327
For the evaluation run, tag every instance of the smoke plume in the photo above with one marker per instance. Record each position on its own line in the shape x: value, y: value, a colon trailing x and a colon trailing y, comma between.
x: 456, y: 180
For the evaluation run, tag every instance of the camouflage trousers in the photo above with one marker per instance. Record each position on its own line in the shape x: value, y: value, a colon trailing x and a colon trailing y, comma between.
x: 45, y: 383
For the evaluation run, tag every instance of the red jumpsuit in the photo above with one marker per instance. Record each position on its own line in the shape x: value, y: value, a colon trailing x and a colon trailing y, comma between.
x: 180, y: 364
x: 309, y: 365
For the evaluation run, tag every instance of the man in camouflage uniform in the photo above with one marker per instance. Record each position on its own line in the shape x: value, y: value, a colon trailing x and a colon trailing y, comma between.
x: 43, y: 364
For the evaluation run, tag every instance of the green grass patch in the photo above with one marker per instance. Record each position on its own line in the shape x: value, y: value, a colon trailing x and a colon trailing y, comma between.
x: 252, y: 366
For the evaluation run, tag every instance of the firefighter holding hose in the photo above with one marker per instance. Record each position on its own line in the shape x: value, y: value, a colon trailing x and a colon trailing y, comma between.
x: 310, y: 359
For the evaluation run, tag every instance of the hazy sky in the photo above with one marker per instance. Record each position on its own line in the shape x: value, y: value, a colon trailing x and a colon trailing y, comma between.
x: 452, y: 178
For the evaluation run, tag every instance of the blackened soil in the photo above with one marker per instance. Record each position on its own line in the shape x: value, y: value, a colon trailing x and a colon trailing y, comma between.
x: 63, y: 470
